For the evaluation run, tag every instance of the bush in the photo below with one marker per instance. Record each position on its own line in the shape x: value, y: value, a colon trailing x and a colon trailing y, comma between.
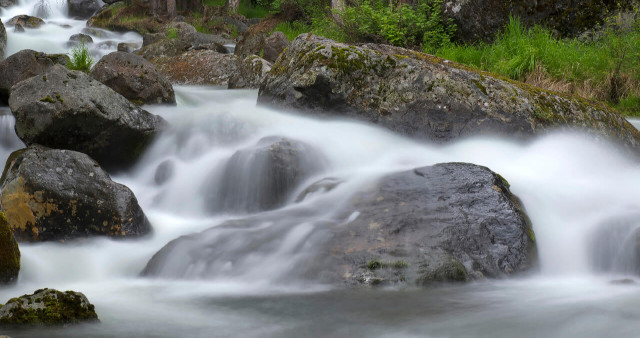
x: 81, y: 59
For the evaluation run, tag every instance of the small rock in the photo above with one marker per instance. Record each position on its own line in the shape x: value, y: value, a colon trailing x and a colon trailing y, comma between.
x: 48, y: 307
x: 26, y: 21
x: 82, y: 38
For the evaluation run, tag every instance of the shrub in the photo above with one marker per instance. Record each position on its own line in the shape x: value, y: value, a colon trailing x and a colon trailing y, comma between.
x: 81, y: 59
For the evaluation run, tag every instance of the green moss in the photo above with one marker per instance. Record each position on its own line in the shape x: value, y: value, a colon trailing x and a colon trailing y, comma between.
x: 59, y: 98
x: 9, y: 253
x: 504, y: 181
x: 60, y: 308
x: 374, y: 265
x: 480, y: 86
x: 450, y: 271
x: 48, y: 99
x: 377, y: 265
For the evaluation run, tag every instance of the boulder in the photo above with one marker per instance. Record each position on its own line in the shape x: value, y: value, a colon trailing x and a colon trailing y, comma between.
x: 83, y: 9
x: 70, y: 110
x: 127, y: 47
x: 275, y: 44
x: 7, y: 3
x: 482, y: 20
x: 23, y: 65
x: 251, y: 72
x: 18, y: 28
x: 423, y: 96
x: 320, y: 187
x: 81, y: 38
x: 3, y: 40
x: 48, y: 307
x: 133, y: 77
x: 26, y: 21
x: 56, y: 195
x: 262, y: 177
x: 9, y: 253
x: 198, y: 67
x: 250, y: 43
x: 452, y: 222
x: 240, y: 26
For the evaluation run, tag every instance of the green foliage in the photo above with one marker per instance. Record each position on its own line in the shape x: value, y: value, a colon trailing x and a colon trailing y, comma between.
x: 403, y: 25
x: 172, y: 33
x: 630, y: 105
x: 81, y: 59
x: 292, y: 29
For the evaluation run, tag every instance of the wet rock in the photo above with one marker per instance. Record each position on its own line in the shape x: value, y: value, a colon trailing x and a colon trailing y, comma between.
x: 240, y: 26
x: 83, y: 9
x: 425, y: 97
x: 23, y: 65
x: 18, y: 28
x: 201, y: 67
x: 81, y: 38
x: 26, y: 21
x: 165, y: 48
x: 97, y: 32
x: 133, y: 77
x: 48, y: 307
x: 56, y: 195
x: 275, y: 44
x: 9, y: 253
x: 70, y: 110
x: 250, y: 73
x: 263, y: 177
x: 3, y: 40
x: 164, y: 172
x: 322, y: 186
x: 107, y: 45
x: 7, y: 3
x: 127, y: 47
x: 250, y: 43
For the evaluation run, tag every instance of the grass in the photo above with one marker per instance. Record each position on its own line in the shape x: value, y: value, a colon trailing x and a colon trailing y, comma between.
x: 80, y: 59
x: 172, y: 33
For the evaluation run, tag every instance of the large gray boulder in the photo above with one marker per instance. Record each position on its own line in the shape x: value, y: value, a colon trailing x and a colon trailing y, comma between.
x: 198, y: 67
x: 55, y: 195
x: 274, y: 44
x: 25, y: 21
x: 9, y: 253
x: 251, y: 71
x: 48, y: 307
x: 134, y: 77
x: 23, y: 65
x: 70, y: 110
x: 83, y: 9
x: 451, y: 222
x: 3, y: 40
x: 423, y: 96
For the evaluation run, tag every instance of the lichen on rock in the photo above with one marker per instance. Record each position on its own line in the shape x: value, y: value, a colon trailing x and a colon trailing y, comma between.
x: 48, y: 307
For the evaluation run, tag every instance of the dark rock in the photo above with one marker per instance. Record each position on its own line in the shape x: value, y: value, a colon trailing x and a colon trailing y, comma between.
x: 23, y: 65
x: 127, y: 47
x: 97, y: 32
x: 110, y: 2
x: 452, y: 222
x: 482, y: 20
x: 275, y: 44
x: 250, y: 43
x: 253, y: 21
x: 150, y: 38
x: 201, y: 67
x: 56, y: 195
x: 7, y: 3
x: 26, y: 21
x: 164, y: 48
x: 250, y: 74
x: 9, y: 253
x: 48, y: 307
x: 82, y: 38
x: 3, y: 40
x: 425, y: 97
x: 264, y: 176
x: 323, y: 186
x: 70, y: 110
x: 18, y: 28
x: 133, y: 77
x: 83, y: 9
x: 240, y: 26
x: 164, y: 172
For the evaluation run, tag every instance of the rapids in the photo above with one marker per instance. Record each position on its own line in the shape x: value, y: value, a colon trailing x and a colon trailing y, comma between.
x: 575, y: 188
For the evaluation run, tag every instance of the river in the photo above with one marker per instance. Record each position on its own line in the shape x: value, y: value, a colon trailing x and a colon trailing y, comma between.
x: 572, y: 185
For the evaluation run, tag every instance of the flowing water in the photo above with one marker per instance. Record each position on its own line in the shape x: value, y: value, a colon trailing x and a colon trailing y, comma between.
x: 580, y: 192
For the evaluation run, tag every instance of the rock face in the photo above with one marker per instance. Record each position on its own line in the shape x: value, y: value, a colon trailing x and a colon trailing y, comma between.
x: 201, y: 67
x: 23, y: 65
x: 54, y: 195
x: 48, y: 307
x: 451, y: 222
x: 264, y: 176
x: 3, y: 40
x: 134, y: 78
x: 83, y: 9
x: 9, y: 253
x: 70, y: 110
x: 251, y: 71
x: 423, y: 96
x: 26, y: 21
x: 275, y: 44
x: 481, y: 20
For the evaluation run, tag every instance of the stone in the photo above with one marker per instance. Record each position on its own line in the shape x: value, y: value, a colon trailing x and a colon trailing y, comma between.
x: 26, y: 21
x: 58, y: 195
x: 83, y: 9
x: 198, y: 67
x: 48, y: 307
x: 134, y: 77
x: 9, y: 253
x: 251, y: 71
x: 275, y: 44
x: 3, y: 40
x: 70, y: 110
x: 81, y: 38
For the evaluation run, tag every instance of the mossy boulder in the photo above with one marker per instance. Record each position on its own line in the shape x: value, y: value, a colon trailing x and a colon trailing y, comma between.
x: 423, y: 96
x: 3, y: 40
x: 198, y: 67
x: 250, y: 72
x: 67, y: 109
x: 134, y: 77
x: 56, y: 195
x: 9, y: 253
x: 26, y: 21
x: 23, y: 65
x: 47, y: 307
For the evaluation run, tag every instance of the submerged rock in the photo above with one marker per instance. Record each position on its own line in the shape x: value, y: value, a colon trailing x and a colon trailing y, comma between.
x: 264, y: 176
x: 134, y: 78
x: 26, y: 21
x: 56, y: 195
x: 251, y: 71
x: 9, y: 253
x: 48, y: 307
x: 81, y: 38
x: 70, y: 110
x: 451, y: 222
x: 423, y: 96
x: 23, y: 65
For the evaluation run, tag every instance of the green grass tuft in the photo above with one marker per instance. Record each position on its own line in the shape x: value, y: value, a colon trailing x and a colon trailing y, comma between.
x: 81, y: 59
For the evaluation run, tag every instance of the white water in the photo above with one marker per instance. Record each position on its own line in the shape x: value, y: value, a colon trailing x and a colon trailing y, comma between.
x: 570, y: 184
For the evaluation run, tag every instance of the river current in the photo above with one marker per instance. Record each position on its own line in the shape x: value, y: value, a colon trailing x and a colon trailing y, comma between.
x: 573, y: 185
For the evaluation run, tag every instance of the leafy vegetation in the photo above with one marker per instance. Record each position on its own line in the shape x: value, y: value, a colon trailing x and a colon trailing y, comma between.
x: 172, y: 33
x: 81, y: 59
